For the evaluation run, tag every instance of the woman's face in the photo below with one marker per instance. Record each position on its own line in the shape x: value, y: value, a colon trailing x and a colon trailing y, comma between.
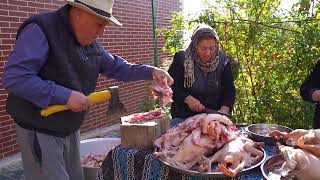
x: 206, y: 49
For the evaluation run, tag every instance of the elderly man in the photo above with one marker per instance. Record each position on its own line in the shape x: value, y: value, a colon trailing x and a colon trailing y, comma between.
x: 57, y: 60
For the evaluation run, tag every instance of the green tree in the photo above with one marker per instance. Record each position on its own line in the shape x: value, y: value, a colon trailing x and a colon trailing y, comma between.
x: 275, y: 51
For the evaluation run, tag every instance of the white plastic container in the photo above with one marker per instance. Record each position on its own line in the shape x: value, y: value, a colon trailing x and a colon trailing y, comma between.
x: 96, y: 146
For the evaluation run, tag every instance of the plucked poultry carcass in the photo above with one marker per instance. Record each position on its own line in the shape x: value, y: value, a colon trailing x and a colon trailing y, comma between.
x: 299, y: 163
x: 196, y: 137
x: 219, y: 128
x: 238, y: 153
x: 189, y: 152
x: 175, y: 136
x: 305, y: 139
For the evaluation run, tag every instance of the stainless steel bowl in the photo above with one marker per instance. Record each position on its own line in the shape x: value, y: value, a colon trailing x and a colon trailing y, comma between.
x: 272, y: 168
x: 260, y: 132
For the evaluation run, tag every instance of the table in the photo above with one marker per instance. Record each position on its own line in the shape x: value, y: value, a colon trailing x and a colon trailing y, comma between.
x: 131, y: 163
x: 140, y: 164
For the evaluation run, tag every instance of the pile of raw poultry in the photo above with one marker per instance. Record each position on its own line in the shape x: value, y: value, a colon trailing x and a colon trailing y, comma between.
x: 206, y: 138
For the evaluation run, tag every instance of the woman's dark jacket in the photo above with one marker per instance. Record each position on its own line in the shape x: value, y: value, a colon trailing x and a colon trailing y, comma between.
x: 213, y: 90
x: 309, y: 85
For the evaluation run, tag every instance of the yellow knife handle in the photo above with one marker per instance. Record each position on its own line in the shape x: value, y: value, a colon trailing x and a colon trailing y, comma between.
x: 95, y: 97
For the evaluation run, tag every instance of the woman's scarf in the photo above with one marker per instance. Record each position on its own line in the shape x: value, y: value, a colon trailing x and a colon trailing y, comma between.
x: 192, y: 56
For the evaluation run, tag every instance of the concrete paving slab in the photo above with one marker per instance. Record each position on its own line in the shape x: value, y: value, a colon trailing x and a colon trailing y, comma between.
x: 13, y: 171
x: 3, y: 177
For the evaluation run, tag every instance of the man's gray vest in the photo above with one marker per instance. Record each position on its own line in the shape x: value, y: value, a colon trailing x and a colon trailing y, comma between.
x: 69, y: 64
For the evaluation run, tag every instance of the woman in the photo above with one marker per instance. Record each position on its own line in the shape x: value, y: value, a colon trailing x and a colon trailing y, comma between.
x: 202, y: 76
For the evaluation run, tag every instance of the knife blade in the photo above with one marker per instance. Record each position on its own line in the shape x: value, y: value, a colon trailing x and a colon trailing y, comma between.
x: 211, y: 111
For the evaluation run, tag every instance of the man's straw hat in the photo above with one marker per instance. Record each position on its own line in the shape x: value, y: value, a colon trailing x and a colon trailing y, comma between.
x: 101, y: 8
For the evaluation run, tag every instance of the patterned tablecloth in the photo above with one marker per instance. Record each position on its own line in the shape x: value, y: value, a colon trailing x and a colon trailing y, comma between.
x: 139, y: 164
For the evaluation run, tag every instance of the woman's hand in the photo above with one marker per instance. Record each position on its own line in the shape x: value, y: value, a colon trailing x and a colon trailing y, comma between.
x: 225, y: 110
x: 161, y: 77
x: 316, y: 95
x: 194, y: 104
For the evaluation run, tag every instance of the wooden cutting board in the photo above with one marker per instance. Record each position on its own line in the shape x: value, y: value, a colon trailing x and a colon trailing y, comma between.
x: 142, y: 134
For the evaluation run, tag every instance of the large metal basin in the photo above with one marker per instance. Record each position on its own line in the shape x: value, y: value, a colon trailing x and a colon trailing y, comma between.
x: 215, y: 173
x: 272, y: 170
x: 96, y: 146
x: 260, y: 132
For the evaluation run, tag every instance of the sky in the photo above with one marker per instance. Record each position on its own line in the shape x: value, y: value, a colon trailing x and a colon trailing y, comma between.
x: 191, y: 6
x: 286, y: 4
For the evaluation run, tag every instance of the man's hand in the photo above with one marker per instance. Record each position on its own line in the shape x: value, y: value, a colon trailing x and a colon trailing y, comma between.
x: 316, y: 96
x: 78, y: 102
x: 161, y: 77
x: 194, y: 104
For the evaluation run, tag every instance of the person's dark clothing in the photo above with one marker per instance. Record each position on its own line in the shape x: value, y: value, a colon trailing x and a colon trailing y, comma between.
x: 213, y: 90
x: 309, y: 85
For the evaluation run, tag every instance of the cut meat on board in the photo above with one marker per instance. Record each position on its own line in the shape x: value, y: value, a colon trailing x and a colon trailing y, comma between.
x: 145, y: 116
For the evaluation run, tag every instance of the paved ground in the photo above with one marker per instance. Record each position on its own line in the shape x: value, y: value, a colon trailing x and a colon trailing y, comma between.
x: 11, y: 167
x: 12, y: 171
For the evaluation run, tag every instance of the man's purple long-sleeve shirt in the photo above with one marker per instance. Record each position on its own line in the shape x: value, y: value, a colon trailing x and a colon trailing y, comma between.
x: 31, y: 50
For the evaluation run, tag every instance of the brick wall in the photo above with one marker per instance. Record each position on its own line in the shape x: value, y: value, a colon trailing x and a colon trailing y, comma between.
x: 133, y: 41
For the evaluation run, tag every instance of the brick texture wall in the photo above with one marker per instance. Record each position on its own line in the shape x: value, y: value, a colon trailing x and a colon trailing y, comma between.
x: 133, y: 41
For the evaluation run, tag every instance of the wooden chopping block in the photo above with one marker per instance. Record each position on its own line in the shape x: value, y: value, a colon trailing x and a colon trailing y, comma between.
x: 142, y: 134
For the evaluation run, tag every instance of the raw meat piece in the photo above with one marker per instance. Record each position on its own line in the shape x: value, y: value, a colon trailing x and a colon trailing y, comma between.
x: 145, y: 116
x: 91, y: 160
x: 163, y: 91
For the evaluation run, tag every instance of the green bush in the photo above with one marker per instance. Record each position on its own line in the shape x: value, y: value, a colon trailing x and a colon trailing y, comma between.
x: 271, y: 51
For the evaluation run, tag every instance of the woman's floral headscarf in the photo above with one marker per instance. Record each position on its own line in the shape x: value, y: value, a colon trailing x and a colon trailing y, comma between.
x: 192, y: 55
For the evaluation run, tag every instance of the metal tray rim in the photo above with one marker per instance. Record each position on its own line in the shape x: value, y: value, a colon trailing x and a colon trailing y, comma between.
x: 213, y: 174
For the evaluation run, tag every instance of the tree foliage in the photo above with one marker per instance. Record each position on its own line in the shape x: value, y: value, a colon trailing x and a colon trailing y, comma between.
x: 274, y: 51
x: 174, y: 35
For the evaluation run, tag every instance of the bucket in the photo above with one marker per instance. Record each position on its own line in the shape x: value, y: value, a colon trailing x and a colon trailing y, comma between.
x: 96, y: 146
